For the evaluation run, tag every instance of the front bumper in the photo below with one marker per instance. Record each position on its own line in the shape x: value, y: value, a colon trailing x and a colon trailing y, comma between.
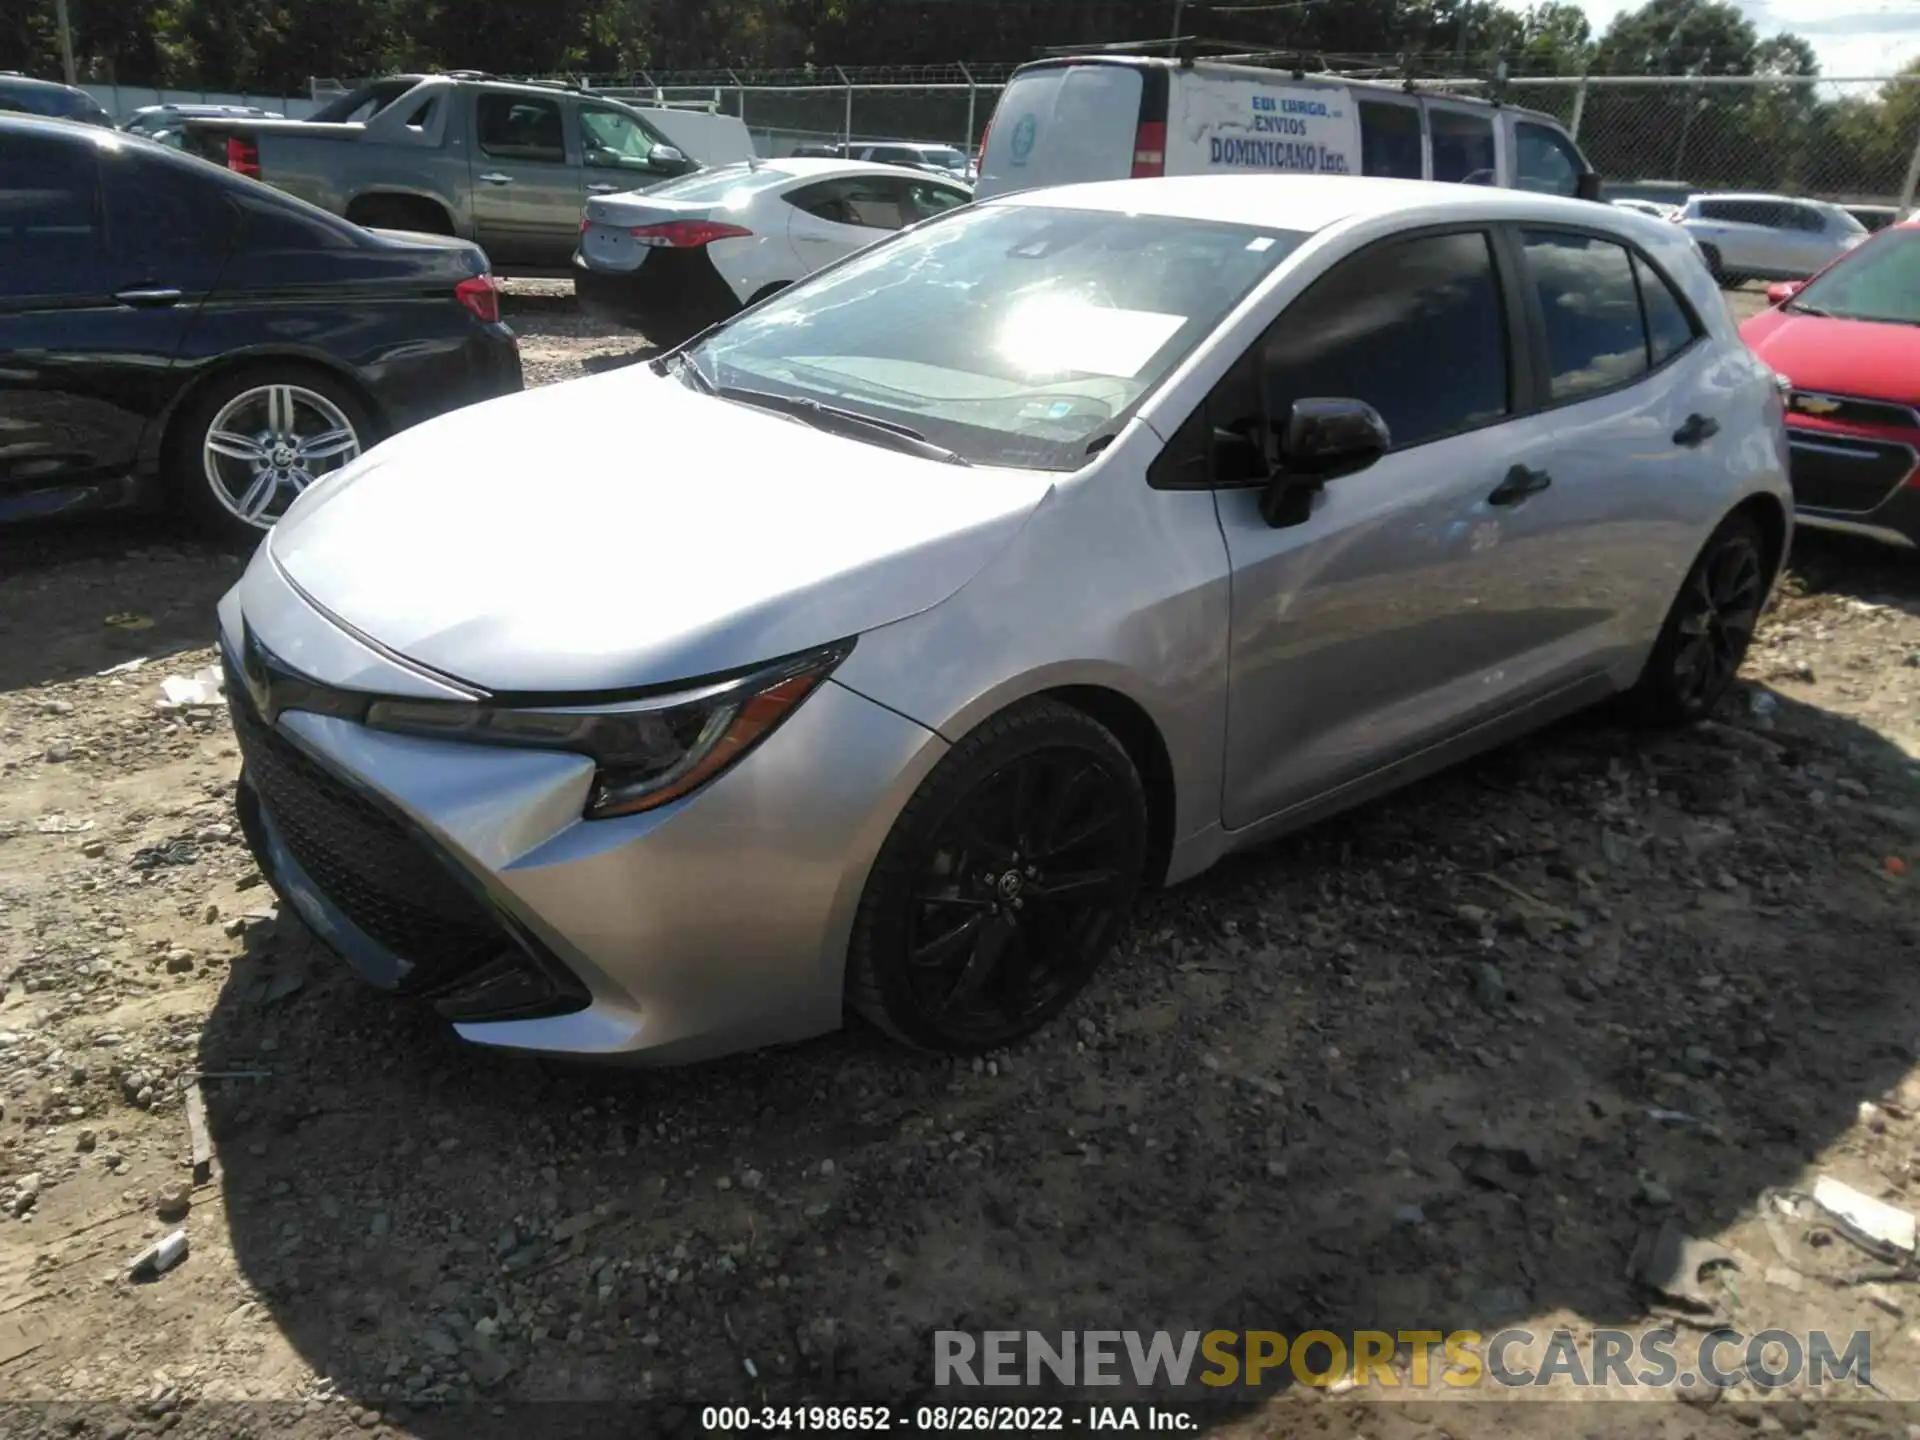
x: 466, y: 874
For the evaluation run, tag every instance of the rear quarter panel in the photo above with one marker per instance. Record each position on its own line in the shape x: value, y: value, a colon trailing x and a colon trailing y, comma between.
x: 386, y: 321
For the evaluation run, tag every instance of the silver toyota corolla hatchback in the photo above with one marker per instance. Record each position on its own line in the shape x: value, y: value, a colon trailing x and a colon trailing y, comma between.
x: 873, y: 650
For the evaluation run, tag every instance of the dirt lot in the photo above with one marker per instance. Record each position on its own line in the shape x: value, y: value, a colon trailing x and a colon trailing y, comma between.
x: 1439, y: 1064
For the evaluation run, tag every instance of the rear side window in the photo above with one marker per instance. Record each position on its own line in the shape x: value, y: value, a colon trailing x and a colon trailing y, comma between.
x: 1462, y: 146
x: 1390, y: 140
x: 1670, y: 325
x: 1591, y: 310
x: 516, y: 127
x: 870, y: 202
x: 1413, y: 327
x: 155, y: 209
x: 48, y: 212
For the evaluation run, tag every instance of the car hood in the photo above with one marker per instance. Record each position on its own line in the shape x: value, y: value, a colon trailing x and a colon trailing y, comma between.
x: 1839, y: 357
x: 626, y: 531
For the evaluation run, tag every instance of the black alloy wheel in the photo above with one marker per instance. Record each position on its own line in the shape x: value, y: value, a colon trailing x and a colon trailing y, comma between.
x: 1003, y: 884
x: 1709, y: 628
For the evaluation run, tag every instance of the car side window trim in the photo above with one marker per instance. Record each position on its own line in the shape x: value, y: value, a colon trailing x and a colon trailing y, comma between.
x: 1541, y: 365
x: 1525, y: 380
x: 1645, y: 272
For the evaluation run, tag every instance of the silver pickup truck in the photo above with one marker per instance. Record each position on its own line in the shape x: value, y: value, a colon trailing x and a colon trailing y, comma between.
x: 507, y: 165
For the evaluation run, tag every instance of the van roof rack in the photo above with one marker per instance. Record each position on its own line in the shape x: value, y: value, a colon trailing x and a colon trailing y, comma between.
x: 1190, y: 48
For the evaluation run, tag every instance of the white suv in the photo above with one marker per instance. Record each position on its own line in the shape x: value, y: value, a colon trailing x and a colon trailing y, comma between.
x: 1768, y: 237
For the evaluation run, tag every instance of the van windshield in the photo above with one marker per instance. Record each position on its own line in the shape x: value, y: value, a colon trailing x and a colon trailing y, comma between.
x: 1009, y: 335
x: 1060, y: 125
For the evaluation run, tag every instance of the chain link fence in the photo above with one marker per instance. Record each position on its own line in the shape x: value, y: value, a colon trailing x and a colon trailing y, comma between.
x: 1852, y: 141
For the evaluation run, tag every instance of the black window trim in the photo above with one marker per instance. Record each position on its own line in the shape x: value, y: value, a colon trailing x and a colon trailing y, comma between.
x: 1525, y: 365
x: 1541, y: 358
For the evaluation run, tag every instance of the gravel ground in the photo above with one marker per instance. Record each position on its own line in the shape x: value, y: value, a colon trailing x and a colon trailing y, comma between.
x: 1443, y: 1062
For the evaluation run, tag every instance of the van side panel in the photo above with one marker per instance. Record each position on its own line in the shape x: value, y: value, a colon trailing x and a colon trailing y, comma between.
x: 1062, y: 125
x: 1221, y: 123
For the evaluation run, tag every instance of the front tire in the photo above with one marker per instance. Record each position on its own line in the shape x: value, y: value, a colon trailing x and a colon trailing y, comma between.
x: 1707, y: 630
x: 251, y: 441
x: 1003, y: 883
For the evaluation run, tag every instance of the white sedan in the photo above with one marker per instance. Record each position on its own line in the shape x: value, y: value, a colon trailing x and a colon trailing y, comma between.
x: 671, y: 260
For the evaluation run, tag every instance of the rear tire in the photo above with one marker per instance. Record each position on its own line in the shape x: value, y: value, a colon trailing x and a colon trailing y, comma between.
x: 274, y: 429
x: 1711, y: 254
x: 1707, y: 630
x: 1003, y: 883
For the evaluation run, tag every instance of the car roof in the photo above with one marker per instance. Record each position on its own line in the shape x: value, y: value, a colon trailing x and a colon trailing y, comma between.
x: 821, y: 166
x: 67, y: 129
x: 1763, y: 196
x: 1308, y: 202
x: 28, y: 82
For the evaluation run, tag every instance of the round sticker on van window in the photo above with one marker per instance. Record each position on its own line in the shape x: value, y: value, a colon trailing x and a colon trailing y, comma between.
x: 1023, y: 131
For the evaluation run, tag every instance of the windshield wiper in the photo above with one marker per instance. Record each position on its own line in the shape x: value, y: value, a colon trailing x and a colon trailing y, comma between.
x: 686, y: 365
x: 814, y: 413
x: 1805, y: 309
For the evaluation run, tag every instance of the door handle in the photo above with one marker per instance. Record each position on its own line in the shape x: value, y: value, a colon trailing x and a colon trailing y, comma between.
x: 1697, y: 430
x: 601, y: 189
x: 152, y: 296
x: 1519, y: 484
x: 494, y: 177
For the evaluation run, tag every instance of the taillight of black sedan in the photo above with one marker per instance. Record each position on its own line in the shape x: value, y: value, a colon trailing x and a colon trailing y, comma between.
x: 173, y: 330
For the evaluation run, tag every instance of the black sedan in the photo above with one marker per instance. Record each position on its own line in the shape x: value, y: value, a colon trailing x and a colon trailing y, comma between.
x: 172, y: 331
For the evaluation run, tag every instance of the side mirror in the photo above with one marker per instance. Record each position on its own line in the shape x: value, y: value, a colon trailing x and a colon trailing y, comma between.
x: 1323, y: 439
x: 667, y: 157
x: 1587, y: 187
x: 1781, y: 291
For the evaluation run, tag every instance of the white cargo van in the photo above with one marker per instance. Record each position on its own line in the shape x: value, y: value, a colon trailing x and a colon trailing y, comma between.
x: 1107, y: 117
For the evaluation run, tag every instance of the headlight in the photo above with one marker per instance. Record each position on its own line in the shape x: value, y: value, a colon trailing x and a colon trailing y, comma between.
x: 648, y: 751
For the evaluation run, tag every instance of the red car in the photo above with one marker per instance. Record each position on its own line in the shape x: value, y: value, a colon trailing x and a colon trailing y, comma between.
x: 1848, y: 342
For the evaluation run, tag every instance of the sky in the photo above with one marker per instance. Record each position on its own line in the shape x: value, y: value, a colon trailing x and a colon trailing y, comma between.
x: 1851, y: 37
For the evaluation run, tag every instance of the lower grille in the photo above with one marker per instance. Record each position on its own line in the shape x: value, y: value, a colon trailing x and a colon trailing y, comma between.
x: 1844, y: 473
x: 367, y: 864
